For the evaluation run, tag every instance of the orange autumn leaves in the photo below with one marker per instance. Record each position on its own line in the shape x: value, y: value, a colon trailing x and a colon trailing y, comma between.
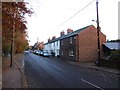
x: 13, y: 17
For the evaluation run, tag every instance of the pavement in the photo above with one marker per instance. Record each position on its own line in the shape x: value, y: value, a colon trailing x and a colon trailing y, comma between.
x: 93, y: 66
x: 90, y: 65
x: 14, y: 77
x: 0, y: 73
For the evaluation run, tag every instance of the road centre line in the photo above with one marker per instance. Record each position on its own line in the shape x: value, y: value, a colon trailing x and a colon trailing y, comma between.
x: 59, y: 68
x: 23, y: 62
x: 91, y: 84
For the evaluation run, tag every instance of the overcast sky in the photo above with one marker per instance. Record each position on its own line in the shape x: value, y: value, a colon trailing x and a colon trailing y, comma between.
x: 50, y: 14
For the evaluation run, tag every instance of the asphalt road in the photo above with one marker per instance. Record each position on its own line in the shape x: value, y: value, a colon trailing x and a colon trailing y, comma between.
x: 45, y: 72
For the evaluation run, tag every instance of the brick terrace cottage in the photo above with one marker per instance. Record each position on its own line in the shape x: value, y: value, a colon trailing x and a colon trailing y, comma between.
x: 81, y: 45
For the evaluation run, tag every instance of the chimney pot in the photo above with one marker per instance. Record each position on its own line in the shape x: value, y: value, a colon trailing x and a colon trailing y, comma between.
x: 54, y: 37
x: 62, y: 33
x: 69, y: 31
x: 49, y: 40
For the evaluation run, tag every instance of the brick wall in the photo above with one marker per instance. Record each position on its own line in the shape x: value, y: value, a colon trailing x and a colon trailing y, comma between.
x: 66, y: 46
x: 88, y: 44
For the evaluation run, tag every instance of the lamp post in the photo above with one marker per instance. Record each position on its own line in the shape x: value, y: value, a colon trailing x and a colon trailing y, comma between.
x: 98, y: 36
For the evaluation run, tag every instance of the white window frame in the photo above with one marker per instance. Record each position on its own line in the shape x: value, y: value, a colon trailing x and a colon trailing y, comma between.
x: 71, y: 52
x: 54, y: 44
x: 58, y: 51
x: 61, y: 42
x: 62, y: 53
x: 75, y: 37
x: 71, y: 41
x: 57, y: 43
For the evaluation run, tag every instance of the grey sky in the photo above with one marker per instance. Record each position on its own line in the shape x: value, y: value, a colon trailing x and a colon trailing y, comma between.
x: 50, y: 14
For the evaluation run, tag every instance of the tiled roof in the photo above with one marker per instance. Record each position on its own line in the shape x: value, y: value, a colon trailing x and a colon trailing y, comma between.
x: 112, y: 45
x: 51, y: 41
x: 74, y: 32
x: 69, y: 35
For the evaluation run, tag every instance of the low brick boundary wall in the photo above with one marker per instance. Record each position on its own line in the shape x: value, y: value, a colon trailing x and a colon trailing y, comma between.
x: 110, y: 63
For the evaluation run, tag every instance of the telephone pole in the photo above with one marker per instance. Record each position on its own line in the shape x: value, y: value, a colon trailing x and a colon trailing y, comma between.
x: 98, y: 36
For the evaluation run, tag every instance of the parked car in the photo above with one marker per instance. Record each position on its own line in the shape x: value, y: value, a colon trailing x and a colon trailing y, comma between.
x: 31, y: 51
x: 26, y: 52
x: 46, y: 54
x: 36, y: 51
x: 53, y: 54
x: 40, y: 52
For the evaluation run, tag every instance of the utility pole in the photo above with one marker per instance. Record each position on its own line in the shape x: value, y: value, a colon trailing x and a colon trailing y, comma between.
x: 12, y: 41
x: 98, y: 36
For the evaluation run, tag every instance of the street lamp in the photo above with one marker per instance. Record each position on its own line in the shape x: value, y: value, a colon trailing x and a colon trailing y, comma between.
x: 98, y: 36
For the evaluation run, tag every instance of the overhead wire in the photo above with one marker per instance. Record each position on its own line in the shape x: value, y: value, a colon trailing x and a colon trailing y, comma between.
x: 75, y: 14
x: 68, y: 18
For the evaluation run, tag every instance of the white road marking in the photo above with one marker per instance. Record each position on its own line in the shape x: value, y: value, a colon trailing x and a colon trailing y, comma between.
x: 23, y: 63
x: 59, y: 68
x: 92, y: 84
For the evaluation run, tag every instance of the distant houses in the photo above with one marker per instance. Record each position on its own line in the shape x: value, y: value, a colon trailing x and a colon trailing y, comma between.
x: 53, y: 46
x: 79, y: 45
x: 38, y: 46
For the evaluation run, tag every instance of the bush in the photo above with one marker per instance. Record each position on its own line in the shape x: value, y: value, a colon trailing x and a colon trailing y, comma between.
x: 115, y: 55
x: 110, y: 63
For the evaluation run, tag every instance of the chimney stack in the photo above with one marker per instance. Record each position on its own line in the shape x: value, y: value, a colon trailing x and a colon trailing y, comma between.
x: 62, y: 33
x: 69, y: 31
x: 49, y: 40
x: 54, y: 37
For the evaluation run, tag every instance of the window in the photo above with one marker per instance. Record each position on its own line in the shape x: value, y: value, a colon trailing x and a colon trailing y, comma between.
x: 57, y: 43
x: 70, y: 40
x: 61, y: 42
x: 62, y: 53
x: 54, y: 44
x: 71, y: 52
x: 57, y: 51
x: 75, y: 37
x: 51, y: 50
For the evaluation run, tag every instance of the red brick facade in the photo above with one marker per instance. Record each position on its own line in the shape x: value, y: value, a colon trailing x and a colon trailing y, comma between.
x: 84, y: 45
x: 88, y: 44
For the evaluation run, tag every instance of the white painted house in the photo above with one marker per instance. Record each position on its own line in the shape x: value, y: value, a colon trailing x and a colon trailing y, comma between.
x: 52, y: 47
x: 47, y: 47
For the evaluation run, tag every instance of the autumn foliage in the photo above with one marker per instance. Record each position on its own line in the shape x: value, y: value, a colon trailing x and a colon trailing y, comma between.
x: 13, y: 17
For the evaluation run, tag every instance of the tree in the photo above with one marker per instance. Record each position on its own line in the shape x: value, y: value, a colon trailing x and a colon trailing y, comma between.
x: 10, y: 21
x: 118, y: 40
x: 21, y: 43
x: 14, y: 26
